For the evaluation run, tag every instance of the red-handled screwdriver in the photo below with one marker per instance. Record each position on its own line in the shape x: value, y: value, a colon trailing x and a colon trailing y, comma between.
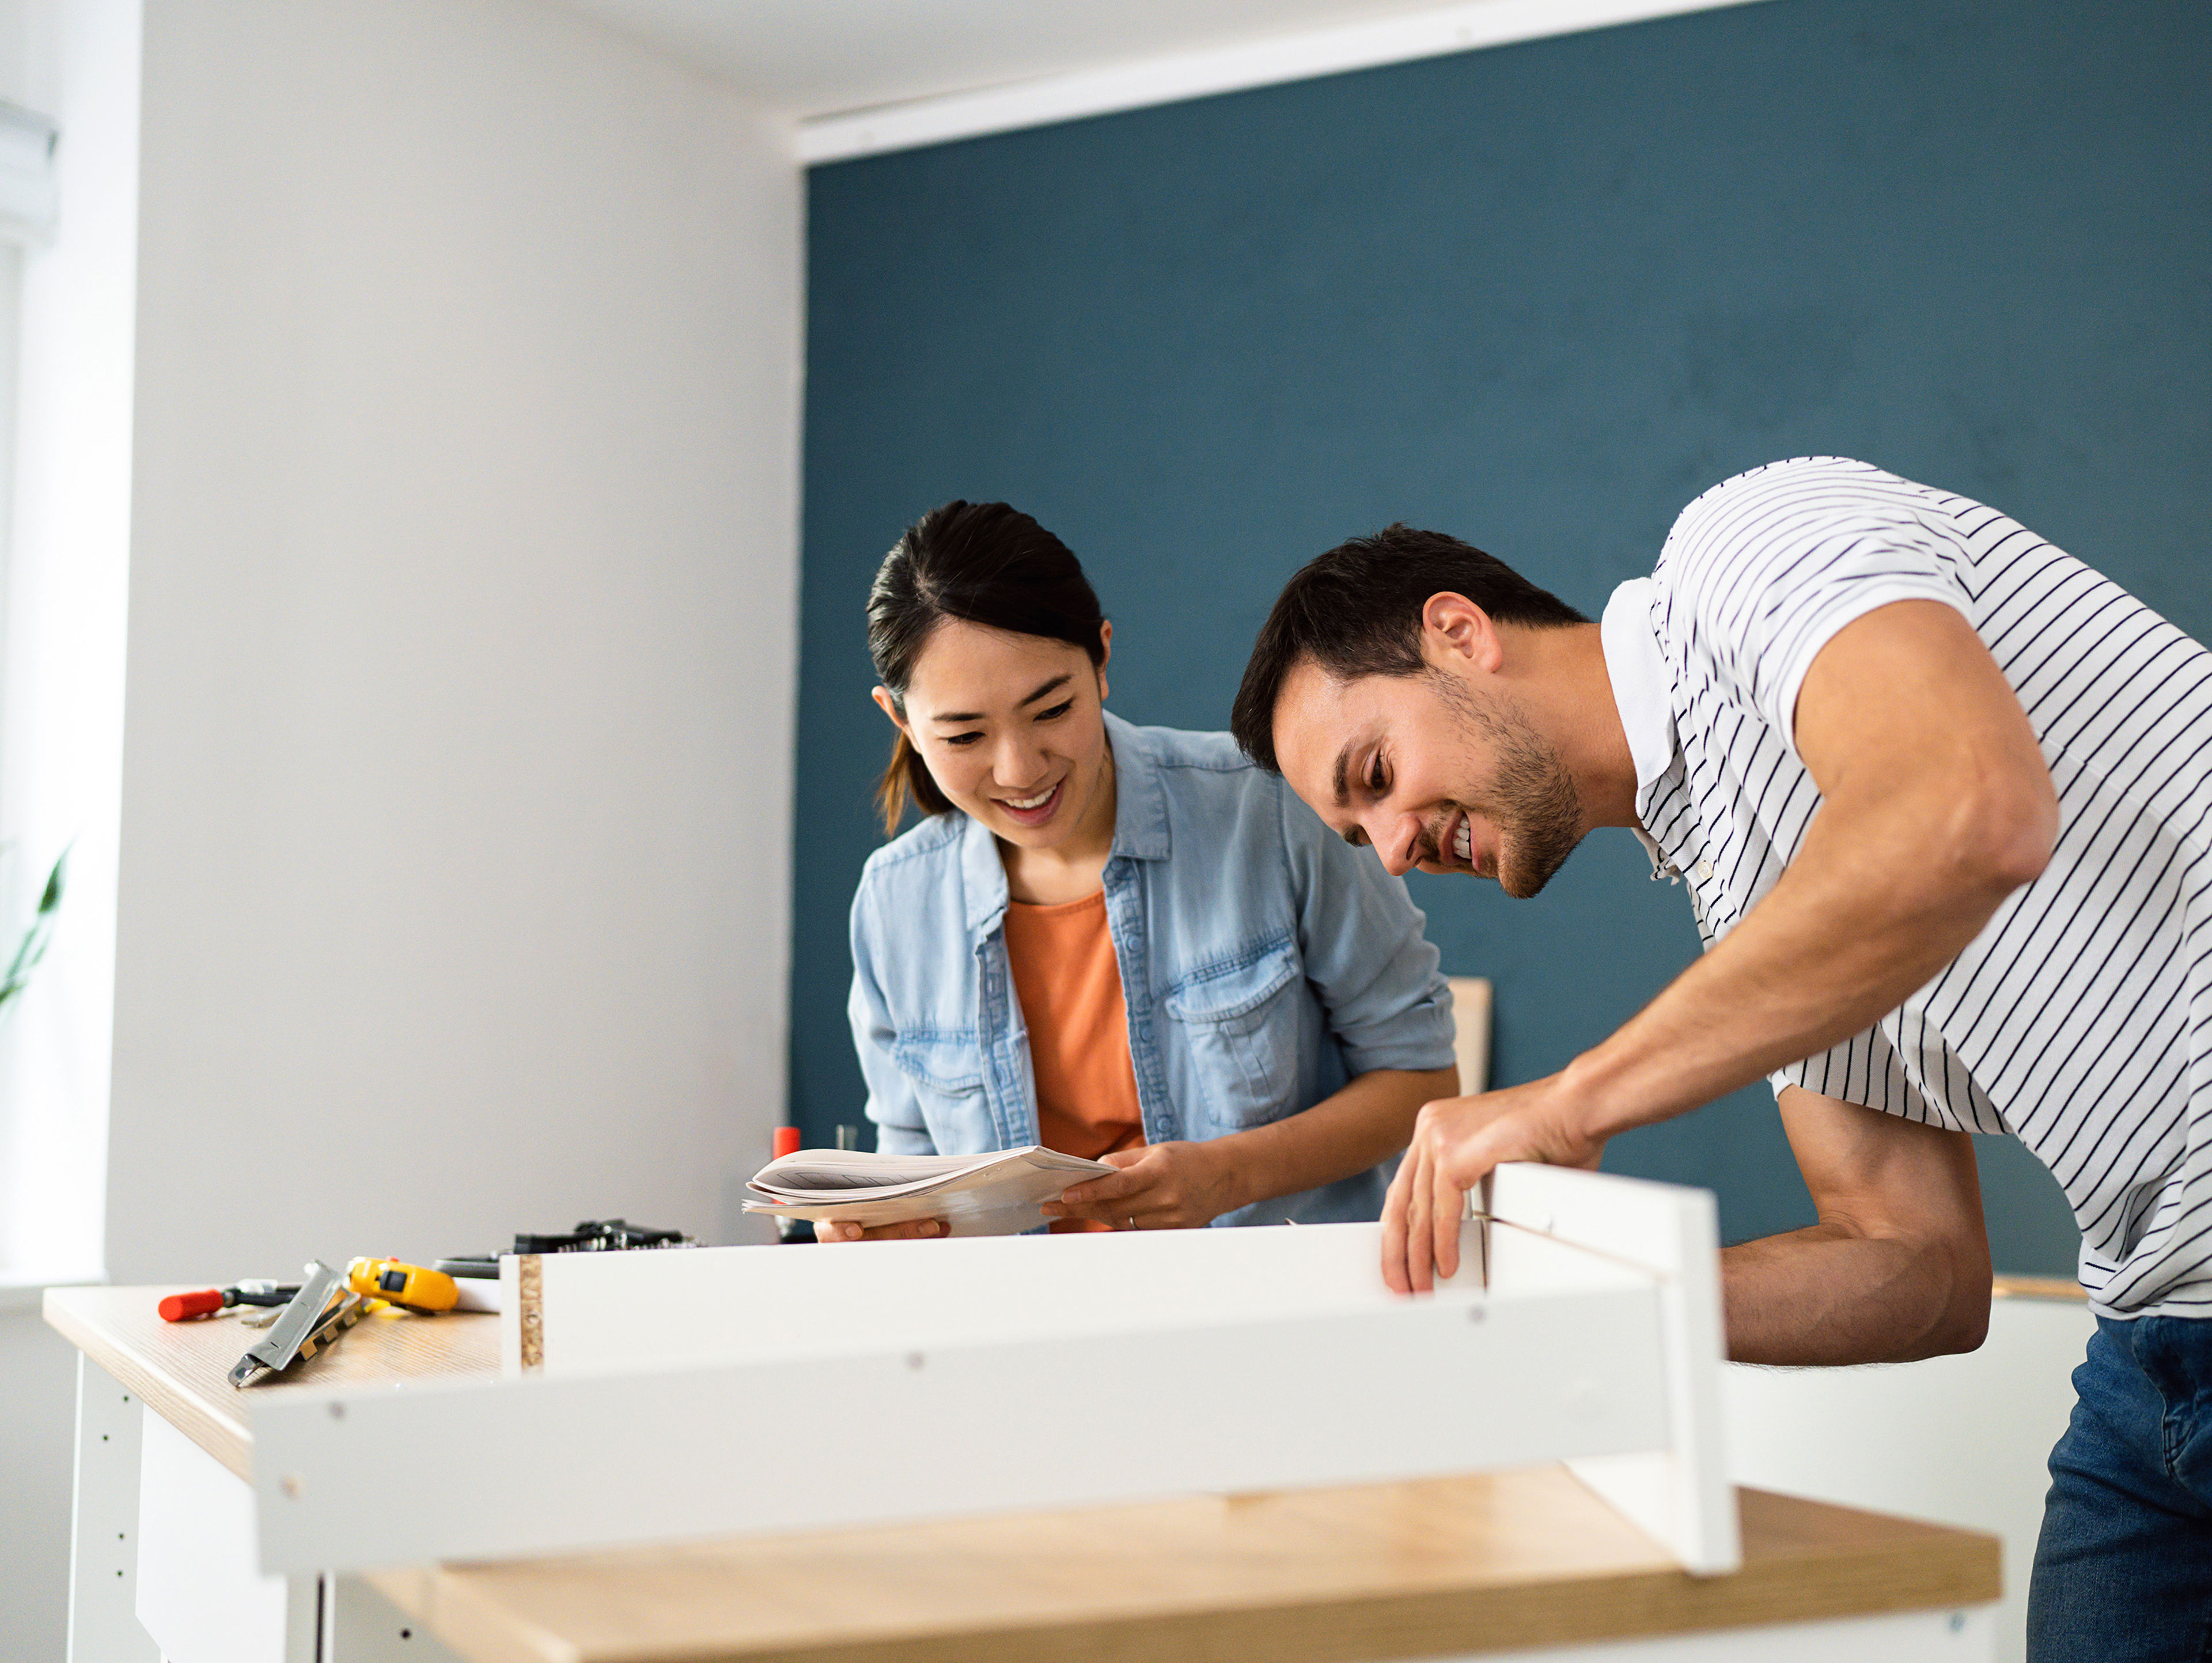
x: 179, y: 1307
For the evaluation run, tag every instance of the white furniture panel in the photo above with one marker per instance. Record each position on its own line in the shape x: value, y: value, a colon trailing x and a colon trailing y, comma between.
x: 200, y: 1594
x: 682, y: 1308
x: 760, y: 1389
x: 1678, y: 1490
x: 351, y: 1481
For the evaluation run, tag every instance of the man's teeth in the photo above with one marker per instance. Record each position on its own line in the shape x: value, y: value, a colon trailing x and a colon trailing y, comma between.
x: 1463, y: 843
x: 1026, y: 803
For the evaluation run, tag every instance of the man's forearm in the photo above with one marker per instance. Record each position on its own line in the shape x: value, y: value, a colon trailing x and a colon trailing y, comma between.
x: 1347, y: 1132
x: 1825, y: 1295
x: 1856, y: 924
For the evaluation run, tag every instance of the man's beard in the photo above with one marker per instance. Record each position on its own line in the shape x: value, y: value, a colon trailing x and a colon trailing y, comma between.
x: 1533, y: 801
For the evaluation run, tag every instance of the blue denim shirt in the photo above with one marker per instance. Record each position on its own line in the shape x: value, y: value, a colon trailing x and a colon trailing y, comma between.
x: 1264, y: 962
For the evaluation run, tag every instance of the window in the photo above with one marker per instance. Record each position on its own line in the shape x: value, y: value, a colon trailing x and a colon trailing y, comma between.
x: 69, y: 214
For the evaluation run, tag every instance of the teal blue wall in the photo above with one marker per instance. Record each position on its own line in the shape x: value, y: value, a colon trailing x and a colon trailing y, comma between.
x: 1538, y: 297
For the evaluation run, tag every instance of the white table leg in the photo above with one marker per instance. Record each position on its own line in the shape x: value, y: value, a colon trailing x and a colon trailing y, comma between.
x: 103, y: 1623
x: 370, y: 1629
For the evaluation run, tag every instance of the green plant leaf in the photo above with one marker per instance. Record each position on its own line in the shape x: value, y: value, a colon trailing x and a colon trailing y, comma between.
x: 55, y: 879
x: 32, y: 947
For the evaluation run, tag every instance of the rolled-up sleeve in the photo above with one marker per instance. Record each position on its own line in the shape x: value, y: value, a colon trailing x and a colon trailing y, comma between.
x: 1375, y: 973
x: 893, y: 1104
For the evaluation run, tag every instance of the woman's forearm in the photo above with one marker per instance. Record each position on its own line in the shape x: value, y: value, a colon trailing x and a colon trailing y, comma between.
x: 1348, y: 1131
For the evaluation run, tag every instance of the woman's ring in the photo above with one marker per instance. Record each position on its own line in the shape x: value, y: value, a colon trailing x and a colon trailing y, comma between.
x: 1133, y: 1221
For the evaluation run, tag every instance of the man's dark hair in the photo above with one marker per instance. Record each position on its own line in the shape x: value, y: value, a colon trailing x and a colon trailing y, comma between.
x: 1356, y: 611
x: 982, y: 562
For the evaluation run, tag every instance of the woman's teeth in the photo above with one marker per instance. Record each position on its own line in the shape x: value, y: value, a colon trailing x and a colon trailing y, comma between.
x: 1028, y: 803
x: 1463, y: 843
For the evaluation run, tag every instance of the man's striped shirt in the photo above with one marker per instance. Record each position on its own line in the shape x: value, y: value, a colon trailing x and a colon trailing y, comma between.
x: 2077, y: 1020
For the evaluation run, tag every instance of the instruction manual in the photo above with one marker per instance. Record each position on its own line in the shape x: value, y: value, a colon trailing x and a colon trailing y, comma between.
x: 995, y: 1194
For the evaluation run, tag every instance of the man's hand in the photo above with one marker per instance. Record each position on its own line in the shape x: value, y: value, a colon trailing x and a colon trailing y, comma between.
x: 843, y: 1229
x: 1455, y: 1141
x: 1161, y: 1186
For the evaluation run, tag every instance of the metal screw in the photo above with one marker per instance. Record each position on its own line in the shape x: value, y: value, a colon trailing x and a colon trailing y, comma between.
x: 292, y: 1484
x: 914, y: 1359
x: 1474, y: 1313
x: 338, y: 1411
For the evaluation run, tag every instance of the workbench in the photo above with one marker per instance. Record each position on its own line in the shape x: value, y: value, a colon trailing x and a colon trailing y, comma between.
x: 1497, y: 1564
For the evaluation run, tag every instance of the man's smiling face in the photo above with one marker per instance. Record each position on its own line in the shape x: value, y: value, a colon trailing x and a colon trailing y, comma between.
x: 1435, y: 771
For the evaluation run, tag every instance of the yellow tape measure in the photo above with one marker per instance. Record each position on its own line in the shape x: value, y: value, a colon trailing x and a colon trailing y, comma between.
x: 402, y: 1284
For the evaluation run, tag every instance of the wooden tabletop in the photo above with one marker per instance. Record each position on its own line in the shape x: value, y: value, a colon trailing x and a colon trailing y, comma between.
x: 2064, y: 1288
x: 183, y: 1369
x: 1487, y: 1561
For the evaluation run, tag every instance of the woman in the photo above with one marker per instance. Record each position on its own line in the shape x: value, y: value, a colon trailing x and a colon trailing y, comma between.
x: 1126, y: 943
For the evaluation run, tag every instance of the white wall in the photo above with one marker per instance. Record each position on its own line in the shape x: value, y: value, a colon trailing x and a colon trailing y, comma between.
x: 462, y: 541
x: 457, y: 796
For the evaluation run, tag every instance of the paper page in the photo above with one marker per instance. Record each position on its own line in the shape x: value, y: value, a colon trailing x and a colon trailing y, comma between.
x: 997, y: 1195
x: 837, y: 1175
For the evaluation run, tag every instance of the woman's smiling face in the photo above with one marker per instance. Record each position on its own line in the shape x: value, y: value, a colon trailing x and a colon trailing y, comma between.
x: 1011, y: 728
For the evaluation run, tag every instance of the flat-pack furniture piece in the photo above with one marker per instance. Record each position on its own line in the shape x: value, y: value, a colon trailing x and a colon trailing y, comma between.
x: 1200, y: 1406
x: 1471, y: 1003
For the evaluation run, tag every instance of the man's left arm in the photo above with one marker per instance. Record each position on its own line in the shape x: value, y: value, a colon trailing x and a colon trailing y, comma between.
x: 1936, y: 805
x: 1897, y: 1268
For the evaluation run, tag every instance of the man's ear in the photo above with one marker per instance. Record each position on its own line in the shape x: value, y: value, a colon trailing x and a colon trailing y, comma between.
x: 888, y: 706
x: 1458, y: 633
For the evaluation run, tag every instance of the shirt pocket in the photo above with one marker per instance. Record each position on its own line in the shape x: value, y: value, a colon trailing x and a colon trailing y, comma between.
x: 947, y: 1073
x: 1239, y: 1019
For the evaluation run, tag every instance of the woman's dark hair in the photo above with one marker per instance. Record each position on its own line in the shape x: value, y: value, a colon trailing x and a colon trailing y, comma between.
x: 1356, y: 611
x: 981, y: 562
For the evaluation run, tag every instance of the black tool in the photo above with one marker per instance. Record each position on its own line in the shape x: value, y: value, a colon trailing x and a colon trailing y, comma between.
x: 609, y: 1236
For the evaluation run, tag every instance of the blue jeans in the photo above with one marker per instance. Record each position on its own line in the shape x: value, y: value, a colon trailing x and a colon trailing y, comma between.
x: 2123, y: 1566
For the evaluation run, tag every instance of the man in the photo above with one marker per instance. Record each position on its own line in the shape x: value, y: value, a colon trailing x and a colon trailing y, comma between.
x: 1941, y: 797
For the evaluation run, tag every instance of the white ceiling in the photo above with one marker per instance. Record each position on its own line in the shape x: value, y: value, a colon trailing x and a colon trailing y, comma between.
x: 814, y: 58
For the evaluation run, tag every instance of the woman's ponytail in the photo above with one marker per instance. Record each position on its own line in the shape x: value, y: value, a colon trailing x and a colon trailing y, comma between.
x: 907, y: 777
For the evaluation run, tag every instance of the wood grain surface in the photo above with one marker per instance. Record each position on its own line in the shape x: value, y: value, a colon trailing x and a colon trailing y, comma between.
x: 2062, y: 1288
x: 1400, y: 1570
x: 183, y: 1369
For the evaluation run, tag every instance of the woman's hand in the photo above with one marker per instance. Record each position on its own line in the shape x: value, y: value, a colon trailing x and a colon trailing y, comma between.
x: 912, y: 1230
x: 1161, y: 1186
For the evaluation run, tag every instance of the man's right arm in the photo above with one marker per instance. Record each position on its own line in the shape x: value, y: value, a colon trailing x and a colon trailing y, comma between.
x: 1898, y: 1266
x: 1936, y: 804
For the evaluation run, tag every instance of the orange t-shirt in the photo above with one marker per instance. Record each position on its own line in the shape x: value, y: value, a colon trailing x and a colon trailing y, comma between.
x: 1070, y: 987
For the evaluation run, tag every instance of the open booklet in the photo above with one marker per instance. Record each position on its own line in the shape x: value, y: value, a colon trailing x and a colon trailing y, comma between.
x: 995, y: 1195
